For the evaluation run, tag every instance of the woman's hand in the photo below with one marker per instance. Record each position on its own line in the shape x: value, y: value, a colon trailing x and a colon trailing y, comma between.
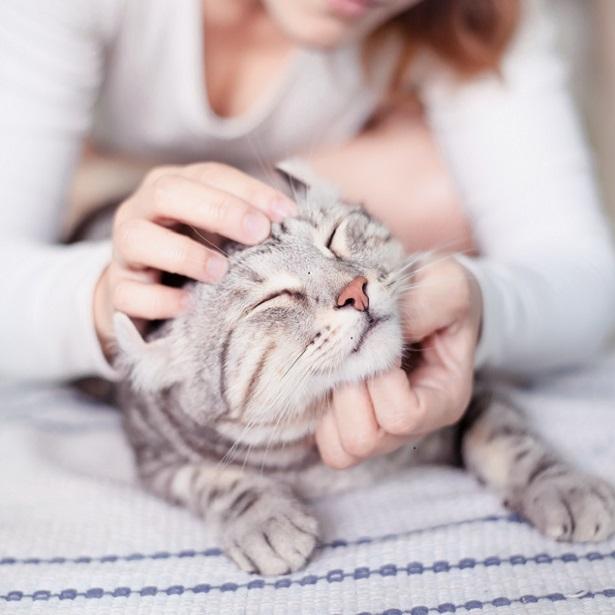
x: 443, y: 311
x: 210, y: 197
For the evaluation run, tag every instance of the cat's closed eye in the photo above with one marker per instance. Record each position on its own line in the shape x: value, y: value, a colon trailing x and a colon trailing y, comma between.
x: 283, y: 293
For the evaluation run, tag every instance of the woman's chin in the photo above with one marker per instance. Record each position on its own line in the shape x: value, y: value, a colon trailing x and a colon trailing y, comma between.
x: 322, y: 31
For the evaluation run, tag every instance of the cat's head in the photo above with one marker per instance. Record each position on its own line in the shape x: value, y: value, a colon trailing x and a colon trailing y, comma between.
x: 313, y: 306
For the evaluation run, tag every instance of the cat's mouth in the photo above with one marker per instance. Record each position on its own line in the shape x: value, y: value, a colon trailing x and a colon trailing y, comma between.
x: 372, y: 323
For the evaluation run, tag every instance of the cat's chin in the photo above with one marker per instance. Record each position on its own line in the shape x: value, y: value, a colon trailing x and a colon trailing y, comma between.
x: 380, y: 351
x: 358, y: 371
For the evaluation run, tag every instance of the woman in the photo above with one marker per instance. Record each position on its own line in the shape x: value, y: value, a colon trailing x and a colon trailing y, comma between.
x: 201, y: 80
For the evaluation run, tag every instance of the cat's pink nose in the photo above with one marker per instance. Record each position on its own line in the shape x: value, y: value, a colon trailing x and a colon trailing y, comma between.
x: 355, y: 294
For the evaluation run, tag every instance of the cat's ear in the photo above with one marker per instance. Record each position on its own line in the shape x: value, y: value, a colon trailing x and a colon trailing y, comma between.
x: 149, y: 364
x: 295, y: 178
x: 303, y: 184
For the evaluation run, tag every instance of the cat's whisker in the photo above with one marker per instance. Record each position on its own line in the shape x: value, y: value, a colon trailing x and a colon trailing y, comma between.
x: 279, y: 392
x: 400, y: 281
x: 448, y: 247
x: 434, y: 261
x: 213, y: 245
x: 208, y: 241
x: 226, y: 458
x: 292, y: 382
x: 267, y: 167
x: 297, y: 382
x: 399, y: 284
x: 294, y: 195
x: 430, y: 283
x: 424, y: 285
x: 429, y: 258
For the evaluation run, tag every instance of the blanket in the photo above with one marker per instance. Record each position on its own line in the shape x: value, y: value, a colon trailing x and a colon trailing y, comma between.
x: 79, y: 536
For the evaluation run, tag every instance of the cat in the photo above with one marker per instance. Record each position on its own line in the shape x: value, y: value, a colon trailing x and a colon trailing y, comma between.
x: 220, y: 404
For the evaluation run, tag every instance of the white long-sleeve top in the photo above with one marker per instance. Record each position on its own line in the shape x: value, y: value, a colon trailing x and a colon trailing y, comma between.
x: 130, y: 74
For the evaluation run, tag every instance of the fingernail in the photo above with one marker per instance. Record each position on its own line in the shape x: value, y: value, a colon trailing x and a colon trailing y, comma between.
x: 282, y: 208
x: 216, y: 267
x: 256, y: 226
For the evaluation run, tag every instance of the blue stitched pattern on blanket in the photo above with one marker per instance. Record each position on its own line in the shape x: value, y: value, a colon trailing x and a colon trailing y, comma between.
x: 215, y: 552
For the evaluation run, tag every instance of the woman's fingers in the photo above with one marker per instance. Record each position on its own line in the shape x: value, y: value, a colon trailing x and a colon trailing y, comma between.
x: 350, y: 432
x: 210, y: 197
x: 434, y: 395
x: 443, y: 311
x: 444, y: 381
x: 389, y: 410
x: 149, y: 301
x: 355, y: 420
x: 441, y: 295
x: 185, y: 200
x: 389, y: 443
x: 141, y: 243
x: 268, y: 200
x: 330, y: 446
x: 393, y: 402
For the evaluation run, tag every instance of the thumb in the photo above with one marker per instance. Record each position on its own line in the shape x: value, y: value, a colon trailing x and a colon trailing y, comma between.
x: 439, y: 296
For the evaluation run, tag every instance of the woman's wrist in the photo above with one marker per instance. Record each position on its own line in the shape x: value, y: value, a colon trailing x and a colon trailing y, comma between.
x: 472, y: 268
x: 476, y: 301
x: 102, y: 317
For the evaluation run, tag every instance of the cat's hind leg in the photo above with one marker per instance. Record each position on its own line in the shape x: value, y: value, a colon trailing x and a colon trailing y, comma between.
x: 563, y: 503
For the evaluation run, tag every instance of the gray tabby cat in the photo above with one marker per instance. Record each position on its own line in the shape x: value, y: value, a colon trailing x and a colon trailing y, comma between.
x: 221, y: 403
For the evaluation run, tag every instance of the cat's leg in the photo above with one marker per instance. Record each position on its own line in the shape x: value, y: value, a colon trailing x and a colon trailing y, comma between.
x: 259, y: 523
x: 560, y: 501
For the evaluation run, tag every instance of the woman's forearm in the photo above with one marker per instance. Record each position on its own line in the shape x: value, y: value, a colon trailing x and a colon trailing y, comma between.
x: 547, y: 267
x: 46, y: 319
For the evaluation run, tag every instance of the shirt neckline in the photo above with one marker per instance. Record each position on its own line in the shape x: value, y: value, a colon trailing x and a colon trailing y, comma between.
x: 259, y: 110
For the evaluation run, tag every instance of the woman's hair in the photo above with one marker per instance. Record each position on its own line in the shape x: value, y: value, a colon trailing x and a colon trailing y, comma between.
x: 468, y: 35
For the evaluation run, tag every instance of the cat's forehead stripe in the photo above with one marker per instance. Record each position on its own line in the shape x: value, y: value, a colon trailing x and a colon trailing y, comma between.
x: 307, y: 220
x: 283, y: 280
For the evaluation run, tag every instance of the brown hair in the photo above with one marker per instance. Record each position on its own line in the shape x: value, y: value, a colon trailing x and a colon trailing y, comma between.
x: 468, y: 35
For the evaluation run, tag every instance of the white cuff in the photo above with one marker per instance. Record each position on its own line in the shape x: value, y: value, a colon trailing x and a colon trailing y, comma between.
x: 85, y: 346
x: 492, y: 310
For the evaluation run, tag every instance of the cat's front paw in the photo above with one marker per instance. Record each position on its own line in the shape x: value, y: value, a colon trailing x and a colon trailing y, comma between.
x: 268, y: 534
x: 572, y: 507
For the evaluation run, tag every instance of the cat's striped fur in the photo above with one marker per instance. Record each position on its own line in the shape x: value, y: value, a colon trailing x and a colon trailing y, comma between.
x: 221, y: 404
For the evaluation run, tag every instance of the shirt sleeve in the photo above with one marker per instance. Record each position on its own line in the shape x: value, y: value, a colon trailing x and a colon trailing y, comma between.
x: 546, y: 266
x: 51, y: 60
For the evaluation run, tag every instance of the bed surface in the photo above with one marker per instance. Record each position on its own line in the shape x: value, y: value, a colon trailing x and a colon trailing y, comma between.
x: 77, y: 536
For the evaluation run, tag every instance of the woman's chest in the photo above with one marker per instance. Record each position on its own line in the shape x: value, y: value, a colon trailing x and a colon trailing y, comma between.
x: 155, y: 102
x: 243, y: 64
